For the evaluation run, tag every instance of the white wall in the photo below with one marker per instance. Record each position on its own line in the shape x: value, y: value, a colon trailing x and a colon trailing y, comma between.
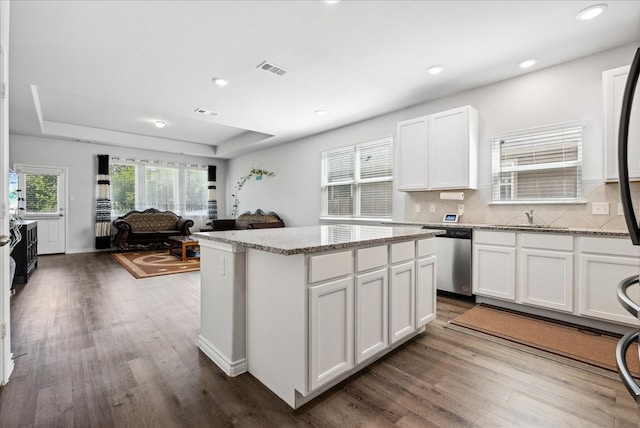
x: 81, y: 160
x: 567, y: 92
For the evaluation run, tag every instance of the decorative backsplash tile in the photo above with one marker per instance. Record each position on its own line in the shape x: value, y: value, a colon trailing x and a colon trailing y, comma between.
x: 479, y: 209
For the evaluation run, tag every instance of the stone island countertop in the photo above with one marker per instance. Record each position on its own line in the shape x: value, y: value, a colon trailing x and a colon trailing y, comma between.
x: 313, y: 239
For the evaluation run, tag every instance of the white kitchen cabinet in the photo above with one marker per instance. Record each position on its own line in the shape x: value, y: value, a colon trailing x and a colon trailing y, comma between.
x: 372, y: 326
x: 613, y: 83
x: 402, y: 300
x: 412, y: 137
x: 604, y: 262
x: 425, y: 290
x: 330, y: 330
x: 546, y: 262
x: 494, y: 264
x: 439, y: 151
x: 452, y: 161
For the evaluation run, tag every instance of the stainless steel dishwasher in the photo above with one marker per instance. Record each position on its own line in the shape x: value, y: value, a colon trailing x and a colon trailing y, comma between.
x: 453, y: 262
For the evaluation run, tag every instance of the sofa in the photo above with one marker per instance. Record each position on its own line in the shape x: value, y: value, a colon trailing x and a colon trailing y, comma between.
x: 148, y: 229
x: 247, y: 220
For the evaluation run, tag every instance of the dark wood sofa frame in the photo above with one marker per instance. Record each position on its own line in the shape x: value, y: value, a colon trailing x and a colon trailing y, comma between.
x: 149, y: 229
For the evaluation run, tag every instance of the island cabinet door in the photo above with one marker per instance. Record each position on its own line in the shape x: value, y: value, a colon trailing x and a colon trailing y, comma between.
x: 425, y: 290
x: 331, y: 338
x: 401, y: 300
x: 372, y: 326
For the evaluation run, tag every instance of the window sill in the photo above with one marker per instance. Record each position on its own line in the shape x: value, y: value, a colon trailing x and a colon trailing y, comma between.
x: 354, y: 220
x: 581, y: 202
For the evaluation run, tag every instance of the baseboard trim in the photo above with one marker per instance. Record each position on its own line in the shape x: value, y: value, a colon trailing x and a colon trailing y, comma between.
x: 231, y: 368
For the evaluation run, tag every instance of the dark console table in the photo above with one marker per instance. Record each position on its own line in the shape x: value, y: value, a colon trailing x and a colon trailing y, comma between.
x: 25, y: 252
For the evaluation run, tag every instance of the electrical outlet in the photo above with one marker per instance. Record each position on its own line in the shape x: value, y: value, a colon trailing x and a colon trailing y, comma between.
x: 620, y: 210
x: 460, y: 209
x: 418, y: 208
x: 432, y: 208
x: 600, y: 208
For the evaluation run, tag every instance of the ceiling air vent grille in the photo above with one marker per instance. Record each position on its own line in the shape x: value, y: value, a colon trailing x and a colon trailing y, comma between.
x: 205, y: 111
x: 272, y: 68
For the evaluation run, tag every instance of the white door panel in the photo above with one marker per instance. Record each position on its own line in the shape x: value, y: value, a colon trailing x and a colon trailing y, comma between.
x: 44, y: 189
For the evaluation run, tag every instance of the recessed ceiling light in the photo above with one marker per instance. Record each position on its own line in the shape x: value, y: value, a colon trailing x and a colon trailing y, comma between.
x: 320, y: 112
x: 331, y: 1
x: 435, y: 69
x: 159, y: 123
x: 221, y: 81
x: 528, y: 63
x: 591, y: 12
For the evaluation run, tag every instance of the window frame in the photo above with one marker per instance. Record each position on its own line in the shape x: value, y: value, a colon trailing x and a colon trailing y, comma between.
x: 141, y: 203
x: 356, y: 182
x: 497, y: 169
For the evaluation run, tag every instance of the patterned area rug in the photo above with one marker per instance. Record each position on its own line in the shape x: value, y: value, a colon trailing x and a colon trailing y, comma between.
x: 145, y: 264
x: 581, y: 344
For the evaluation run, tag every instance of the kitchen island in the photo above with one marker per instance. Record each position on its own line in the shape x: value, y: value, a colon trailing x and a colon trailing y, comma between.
x: 302, y: 308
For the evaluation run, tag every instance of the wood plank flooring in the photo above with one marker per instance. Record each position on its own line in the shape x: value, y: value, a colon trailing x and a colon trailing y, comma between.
x: 95, y: 347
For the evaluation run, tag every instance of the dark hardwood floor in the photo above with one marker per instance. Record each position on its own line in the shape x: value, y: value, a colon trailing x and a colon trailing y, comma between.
x: 94, y: 347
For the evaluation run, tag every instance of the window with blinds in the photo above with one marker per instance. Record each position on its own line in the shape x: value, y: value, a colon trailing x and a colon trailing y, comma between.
x: 357, y: 181
x: 545, y: 165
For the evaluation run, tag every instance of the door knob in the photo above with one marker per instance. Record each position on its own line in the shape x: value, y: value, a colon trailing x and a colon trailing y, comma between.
x: 4, y: 240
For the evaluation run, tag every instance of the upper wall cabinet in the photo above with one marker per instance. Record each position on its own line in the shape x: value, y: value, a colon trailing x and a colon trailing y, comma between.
x: 613, y: 83
x: 439, y: 151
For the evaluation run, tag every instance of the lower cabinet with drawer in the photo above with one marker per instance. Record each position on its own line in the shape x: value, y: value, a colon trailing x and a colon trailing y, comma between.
x: 494, y: 264
x: 572, y: 278
x: 604, y: 262
x: 360, y: 304
x: 360, y: 309
x: 331, y: 330
x: 546, y: 269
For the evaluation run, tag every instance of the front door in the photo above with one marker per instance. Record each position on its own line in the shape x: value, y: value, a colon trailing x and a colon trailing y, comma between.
x: 43, y: 194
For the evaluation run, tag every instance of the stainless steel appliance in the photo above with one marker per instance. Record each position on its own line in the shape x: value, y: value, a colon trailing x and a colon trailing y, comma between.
x: 632, y: 224
x: 454, y: 260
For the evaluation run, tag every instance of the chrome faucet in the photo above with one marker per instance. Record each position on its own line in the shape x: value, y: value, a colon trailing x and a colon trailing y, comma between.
x: 529, y: 215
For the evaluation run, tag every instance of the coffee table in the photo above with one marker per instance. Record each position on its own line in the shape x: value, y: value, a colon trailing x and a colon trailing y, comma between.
x: 179, y: 246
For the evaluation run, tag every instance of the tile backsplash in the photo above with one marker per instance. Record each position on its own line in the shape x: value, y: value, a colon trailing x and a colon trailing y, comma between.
x: 478, y: 208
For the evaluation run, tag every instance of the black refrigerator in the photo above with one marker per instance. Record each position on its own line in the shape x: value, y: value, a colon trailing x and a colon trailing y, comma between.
x: 632, y: 223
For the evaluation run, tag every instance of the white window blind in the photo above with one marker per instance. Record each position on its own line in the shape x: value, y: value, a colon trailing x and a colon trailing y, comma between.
x: 545, y: 165
x: 357, y: 181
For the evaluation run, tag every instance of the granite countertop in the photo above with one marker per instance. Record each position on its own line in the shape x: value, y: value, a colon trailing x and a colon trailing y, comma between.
x: 313, y: 239
x: 524, y: 228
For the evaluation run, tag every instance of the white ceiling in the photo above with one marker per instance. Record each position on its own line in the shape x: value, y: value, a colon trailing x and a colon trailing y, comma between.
x: 103, y: 71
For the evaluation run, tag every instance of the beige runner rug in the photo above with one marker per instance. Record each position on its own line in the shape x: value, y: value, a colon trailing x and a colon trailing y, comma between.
x: 587, y: 346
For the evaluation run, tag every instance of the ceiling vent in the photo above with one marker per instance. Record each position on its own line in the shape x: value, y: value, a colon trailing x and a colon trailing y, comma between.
x: 204, y: 111
x: 272, y: 68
